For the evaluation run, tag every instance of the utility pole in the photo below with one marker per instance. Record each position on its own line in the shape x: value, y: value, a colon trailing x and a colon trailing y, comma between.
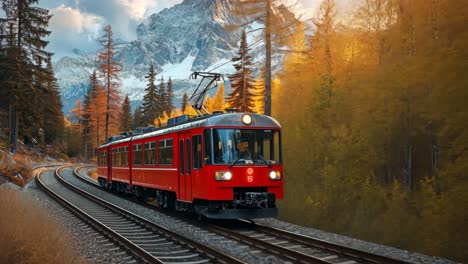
x: 268, y: 58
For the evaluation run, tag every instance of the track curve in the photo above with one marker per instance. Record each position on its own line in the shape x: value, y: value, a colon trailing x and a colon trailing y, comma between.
x: 145, y: 240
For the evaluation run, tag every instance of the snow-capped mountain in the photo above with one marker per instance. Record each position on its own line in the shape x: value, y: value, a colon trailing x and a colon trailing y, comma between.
x: 189, y: 36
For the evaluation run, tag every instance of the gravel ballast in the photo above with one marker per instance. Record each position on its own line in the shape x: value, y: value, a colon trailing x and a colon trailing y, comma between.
x: 88, y: 245
x: 87, y: 242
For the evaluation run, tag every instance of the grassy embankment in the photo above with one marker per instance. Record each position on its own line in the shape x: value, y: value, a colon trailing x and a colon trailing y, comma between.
x: 28, y: 234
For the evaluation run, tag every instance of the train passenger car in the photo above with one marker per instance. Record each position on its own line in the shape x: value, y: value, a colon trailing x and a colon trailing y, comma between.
x: 224, y: 166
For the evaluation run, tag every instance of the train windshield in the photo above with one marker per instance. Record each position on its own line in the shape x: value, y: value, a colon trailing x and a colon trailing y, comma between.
x: 244, y: 146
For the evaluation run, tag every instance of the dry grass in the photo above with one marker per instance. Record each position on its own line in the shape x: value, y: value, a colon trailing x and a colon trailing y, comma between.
x: 93, y: 174
x: 20, y: 165
x: 28, y: 235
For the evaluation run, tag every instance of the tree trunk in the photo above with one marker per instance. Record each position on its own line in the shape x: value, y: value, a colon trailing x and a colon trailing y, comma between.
x: 268, y: 58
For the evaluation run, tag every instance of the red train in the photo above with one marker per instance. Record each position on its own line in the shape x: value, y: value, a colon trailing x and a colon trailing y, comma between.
x: 224, y: 166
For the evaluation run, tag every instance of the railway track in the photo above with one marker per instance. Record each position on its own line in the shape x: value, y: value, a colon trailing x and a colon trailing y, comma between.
x: 283, y: 244
x: 144, y: 240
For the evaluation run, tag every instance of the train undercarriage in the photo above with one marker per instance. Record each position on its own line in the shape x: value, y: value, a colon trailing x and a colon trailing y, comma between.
x: 247, y: 203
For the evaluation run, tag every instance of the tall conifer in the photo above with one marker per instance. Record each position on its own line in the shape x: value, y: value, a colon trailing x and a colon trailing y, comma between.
x: 170, y: 95
x: 162, y: 94
x: 138, y: 119
x: 109, y: 69
x: 26, y: 26
x: 126, y: 116
x: 151, y: 99
x: 241, y: 96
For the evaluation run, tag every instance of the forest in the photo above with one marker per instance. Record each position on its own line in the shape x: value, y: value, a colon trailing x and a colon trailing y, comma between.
x: 376, y: 105
x: 373, y: 101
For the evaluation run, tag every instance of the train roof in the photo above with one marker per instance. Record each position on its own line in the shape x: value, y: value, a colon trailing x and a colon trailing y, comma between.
x: 219, y: 120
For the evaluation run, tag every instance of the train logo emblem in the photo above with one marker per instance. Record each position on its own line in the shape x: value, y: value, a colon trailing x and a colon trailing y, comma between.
x: 250, y: 176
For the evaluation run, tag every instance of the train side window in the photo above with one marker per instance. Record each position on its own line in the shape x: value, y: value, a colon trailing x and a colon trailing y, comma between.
x: 125, y: 156
x: 120, y: 161
x: 105, y: 158
x: 113, y: 157
x: 119, y: 156
x: 197, y: 152
x: 150, y: 153
x: 207, y: 144
x: 122, y: 156
x: 137, y: 153
x: 166, y: 152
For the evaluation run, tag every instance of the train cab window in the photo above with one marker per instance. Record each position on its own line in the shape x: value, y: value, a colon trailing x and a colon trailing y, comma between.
x: 207, y: 143
x: 166, y: 152
x: 150, y: 153
x: 197, y: 152
x: 246, y: 146
x: 137, y: 153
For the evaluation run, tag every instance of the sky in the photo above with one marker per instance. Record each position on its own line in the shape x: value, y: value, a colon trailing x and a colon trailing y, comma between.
x: 78, y: 23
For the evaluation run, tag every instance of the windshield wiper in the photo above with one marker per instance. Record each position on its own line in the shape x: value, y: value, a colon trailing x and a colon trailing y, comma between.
x: 266, y: 162
x: 234, y: 163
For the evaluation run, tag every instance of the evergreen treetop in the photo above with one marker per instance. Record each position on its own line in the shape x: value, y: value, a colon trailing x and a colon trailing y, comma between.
x: 242, y: 97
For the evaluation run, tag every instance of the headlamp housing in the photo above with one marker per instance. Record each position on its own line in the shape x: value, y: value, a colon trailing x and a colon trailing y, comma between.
x: 275, y: 175
x: 246, y: 119
x: 223, y: 175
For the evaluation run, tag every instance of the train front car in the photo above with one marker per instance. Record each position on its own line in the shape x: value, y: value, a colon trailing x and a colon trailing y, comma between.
x: 242, y: 172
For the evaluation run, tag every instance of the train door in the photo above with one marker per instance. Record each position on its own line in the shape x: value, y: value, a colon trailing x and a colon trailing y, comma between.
x: 185, y: 168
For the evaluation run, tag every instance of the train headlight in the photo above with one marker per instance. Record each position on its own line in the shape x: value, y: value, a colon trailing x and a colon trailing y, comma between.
x: 275, y: 175
x: 247, y: 119
x: 223, y: 175
x: 227, y: 175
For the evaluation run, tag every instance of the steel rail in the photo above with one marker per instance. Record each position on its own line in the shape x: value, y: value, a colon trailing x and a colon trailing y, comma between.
x: 135, y: 250
x: 214, y: 254
x: 282, y: 252
x: 349, y: 252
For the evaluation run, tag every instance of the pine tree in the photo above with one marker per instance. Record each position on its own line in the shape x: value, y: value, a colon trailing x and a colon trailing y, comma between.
x: 170, y: 98
x: 151, y: 99
x: 85, y: 121
x: 96, y: 110
x: 162, y: 95
x: 184, y: 103
x: 138, y: 118
x: 53, y: 121
x: 110, y: 70
x: 126, y: 116
x: 241, y: 96
x: 276, y: 26
x: 25, y: 54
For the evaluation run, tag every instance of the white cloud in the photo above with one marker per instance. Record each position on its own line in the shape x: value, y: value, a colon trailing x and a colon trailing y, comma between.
x: 138, y: 9
x: 67, y: 19
x: 72, y: 28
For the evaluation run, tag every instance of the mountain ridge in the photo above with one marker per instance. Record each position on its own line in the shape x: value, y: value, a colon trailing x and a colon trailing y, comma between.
x: 186, y: 37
